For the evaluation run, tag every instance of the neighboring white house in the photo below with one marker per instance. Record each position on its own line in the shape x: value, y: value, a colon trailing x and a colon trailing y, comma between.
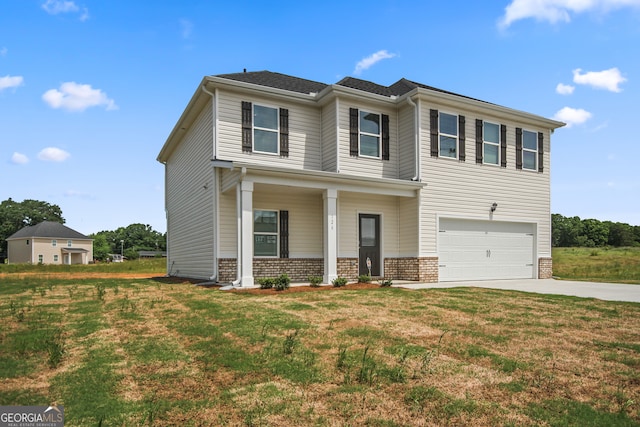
x: 267, y: 173
x: 49, y: 243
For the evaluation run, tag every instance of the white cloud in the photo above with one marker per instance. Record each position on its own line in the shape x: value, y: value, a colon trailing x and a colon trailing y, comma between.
x: 554, y: 11
x: 53, y: 154
x: 54, y: 7
x: 10, y: 81
x: 563, y: 89
x: 186, y: 27
x: 3, y: 51
x: 572, y: 116
x: 606, y: 79
x: 19, y: 159
x: 77, y: 97
x: 85, y: 14
x: 371, y: 60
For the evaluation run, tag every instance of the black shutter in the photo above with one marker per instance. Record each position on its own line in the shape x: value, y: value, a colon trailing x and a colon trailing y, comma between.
x: 518, y: 148
x: 385, y: 137
x: 479, y: 129
x: 353, y: 131
x: 540, y: 152
x: 503, y: 146
x: 284, y: 132
x: 247, y: 127
x: 461, y: 138
x: 284, y: 234
x: 434, y: 133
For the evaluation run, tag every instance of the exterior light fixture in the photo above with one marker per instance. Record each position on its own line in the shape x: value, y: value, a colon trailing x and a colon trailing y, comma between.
x: 494, y: 206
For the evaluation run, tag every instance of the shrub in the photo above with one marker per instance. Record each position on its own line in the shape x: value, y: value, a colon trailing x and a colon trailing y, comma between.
x: 385, y: 283
x: 282, y: 282
x: 266, y: 282
x: 314, y: 281
x: 364, y: 278
x: 339, y: 282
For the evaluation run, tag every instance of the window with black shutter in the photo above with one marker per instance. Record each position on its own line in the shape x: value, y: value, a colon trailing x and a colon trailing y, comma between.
x: 503, y: 146
x: 247, y: 127
x: 353, y: 131
x: 284, y: 234
x: 265, y: 129
x: 518, y: 148
x: 284, y: 132
x: 461, y: 138
x: 540, y: 152
x: 385, y: 137
x: 433, y: 115
x: 479, y: 139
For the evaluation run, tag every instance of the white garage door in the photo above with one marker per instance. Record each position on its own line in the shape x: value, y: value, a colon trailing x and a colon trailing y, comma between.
x: 485, y: 250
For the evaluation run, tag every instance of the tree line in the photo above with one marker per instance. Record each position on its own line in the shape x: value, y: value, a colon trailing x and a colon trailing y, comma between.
x: 125, y: 240
x: 573, y: 231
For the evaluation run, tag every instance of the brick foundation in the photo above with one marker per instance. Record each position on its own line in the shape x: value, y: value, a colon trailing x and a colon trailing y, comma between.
x: 348, y: 268
x: 298, y: 269
x: 545, y: 268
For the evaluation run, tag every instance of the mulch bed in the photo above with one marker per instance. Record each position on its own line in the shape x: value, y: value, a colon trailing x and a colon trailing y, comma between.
x: 296, y: 289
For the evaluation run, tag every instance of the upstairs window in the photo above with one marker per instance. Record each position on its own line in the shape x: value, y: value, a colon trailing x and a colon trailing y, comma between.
x: 448, y: 135
x: 69, y: 243
x: 491, y: 143
x: 54, y: 243
x: 529, y: 150
x: 370, y: 134
x: 265, y: 129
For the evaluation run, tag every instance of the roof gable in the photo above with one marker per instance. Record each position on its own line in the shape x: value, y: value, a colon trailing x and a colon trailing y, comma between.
x: 48, y: 229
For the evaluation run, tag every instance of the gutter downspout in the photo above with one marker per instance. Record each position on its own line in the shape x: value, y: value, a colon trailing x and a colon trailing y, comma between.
x: 416, y: 137
x: 216, y: 184
x: 338, y: 135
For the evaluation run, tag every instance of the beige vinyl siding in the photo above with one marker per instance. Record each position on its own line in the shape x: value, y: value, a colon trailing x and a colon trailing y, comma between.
x: 406, y: 142
x: 228, y: 224
x: 19, y: 252
x: 329, y: 138
x: 305, y: 216
x: 350, y: 205
x: 467, y: 189
x: 408, y: 214
x: 190, y: 216
x: 364, y: 166
x: 304, y: 132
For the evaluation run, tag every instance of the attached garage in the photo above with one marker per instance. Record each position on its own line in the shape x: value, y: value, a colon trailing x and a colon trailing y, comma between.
x: 485, y: 250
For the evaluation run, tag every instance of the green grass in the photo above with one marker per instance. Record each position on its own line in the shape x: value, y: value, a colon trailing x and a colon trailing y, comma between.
x: 618, y: 265
x: 148, y: 352
x: 148, y: 265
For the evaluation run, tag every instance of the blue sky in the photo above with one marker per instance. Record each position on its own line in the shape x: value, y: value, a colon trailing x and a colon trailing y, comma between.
x: 89, y: 90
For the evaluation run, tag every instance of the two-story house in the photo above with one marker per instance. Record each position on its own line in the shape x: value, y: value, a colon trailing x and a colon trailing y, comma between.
x: 267, y: 173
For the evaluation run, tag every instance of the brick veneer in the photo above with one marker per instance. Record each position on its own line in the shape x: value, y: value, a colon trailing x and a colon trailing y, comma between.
x: 424, y: 269
x: 545, y: 268
x: 298, y: 269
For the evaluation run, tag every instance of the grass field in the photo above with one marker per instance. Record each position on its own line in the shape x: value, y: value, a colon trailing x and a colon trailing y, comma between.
x: 126, y: 352
x: 621, y: 265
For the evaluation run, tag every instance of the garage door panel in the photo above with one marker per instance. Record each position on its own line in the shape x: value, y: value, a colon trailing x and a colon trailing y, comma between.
x: 485, y: 250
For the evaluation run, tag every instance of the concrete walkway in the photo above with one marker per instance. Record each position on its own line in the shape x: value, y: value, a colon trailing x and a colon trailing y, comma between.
x: 603, y: 291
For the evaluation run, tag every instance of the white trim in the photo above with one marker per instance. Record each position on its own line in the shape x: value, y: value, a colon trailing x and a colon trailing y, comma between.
x: 277, y: 233
x: 337, y: 135
x: 381, y: 237
x: 254, y: 128
x: 378, y: 135
x: 535, y: 153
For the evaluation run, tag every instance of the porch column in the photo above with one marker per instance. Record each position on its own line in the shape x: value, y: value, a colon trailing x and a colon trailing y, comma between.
x: 246, y: 242
x: 330, y: 197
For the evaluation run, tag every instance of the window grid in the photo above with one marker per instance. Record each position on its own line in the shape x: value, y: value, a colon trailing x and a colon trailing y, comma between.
x: 529, y: 150
x: 266, y: 233
x: 370, y: 132
x: 448, y: 135
x: 266, y: 129
x: 491, y: 143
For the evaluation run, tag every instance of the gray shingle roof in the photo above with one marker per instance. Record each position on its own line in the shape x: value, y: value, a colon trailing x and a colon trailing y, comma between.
x: 296, y: 84
x: 50, y: 229
x: 276, y: 80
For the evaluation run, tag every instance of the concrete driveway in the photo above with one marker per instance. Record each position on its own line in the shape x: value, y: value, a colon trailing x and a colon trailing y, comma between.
x: 603, y: 291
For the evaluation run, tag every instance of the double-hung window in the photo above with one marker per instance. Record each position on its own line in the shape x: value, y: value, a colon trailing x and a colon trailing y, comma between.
x: 529, y: 150
x: 69, y: 243
x: 491, y: 143
x: 265, y: 129
x: 54, y: 243
x: 370, y: 134
x: 265, y: 233
x: 448, y: 138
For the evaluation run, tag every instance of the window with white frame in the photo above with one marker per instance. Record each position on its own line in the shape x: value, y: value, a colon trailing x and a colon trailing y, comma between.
x: 448, y: 138
x: 265, y: 129
x: 55, y: 258
x: 370, y: 134
x: 529, y: 150
x: 40, y: 259
x: 54, y: 243
x: 265, y: 233
x: 69, y: 243
x: 491, y: 143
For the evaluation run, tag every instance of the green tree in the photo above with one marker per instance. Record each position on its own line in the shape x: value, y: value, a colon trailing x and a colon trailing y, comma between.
x: 16, y: 215
x: 566, y: 231
x: 596, y: 233
x: 621, y: 234
x: 101, y: 248
x: 133, y: 238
